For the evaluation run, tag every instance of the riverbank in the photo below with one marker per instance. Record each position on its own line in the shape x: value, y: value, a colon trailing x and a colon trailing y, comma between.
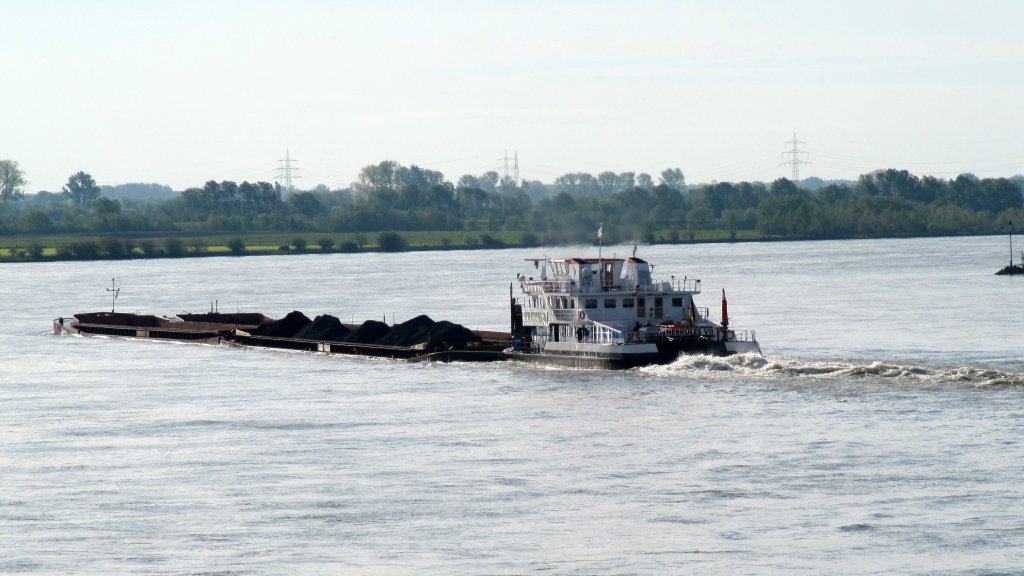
x: 50, y: 248
x: 56, y: 248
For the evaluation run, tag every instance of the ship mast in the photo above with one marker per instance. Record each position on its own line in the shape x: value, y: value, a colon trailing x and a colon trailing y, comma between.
x: 114, y: 291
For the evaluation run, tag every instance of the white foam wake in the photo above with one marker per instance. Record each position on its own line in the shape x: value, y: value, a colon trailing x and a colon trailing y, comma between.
x: 775, y: 368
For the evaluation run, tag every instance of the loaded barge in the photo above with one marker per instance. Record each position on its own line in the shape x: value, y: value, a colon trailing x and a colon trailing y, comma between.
x: 419, y: 339
x: 604, y: 313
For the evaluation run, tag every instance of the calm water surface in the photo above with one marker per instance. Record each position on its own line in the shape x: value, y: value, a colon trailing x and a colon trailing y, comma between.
x: 881, y: 433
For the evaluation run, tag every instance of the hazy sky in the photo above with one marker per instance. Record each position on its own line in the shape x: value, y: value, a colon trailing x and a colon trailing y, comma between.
x: 182, y: 92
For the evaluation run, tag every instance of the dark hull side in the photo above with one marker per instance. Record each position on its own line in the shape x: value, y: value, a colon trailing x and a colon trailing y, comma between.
x: 489, y: 352
x: 668, y: 352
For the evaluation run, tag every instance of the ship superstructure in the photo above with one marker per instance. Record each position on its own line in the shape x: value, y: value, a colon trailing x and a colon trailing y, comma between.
x: 613, y: 313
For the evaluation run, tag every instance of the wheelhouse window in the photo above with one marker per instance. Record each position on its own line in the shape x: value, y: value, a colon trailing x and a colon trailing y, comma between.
x: 627, y: 302
x: 609, y: 302
x: 590, y: 303
x: 677, y: 302
x: 609, y: 279
x: 644, y: 277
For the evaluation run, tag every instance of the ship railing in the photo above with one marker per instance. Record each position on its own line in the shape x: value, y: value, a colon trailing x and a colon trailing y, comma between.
x: 641, y: 337
x: 535, y: 317
x: 569, y: 285
x: 705, y: 331
x: 744, y: 335
x: 712, y: 332
x: 624, y: 285
x: 664, y: 286
x: 685, y: 285
x: 604, y: 334
x: 564, y: 314
x: 553, y: 285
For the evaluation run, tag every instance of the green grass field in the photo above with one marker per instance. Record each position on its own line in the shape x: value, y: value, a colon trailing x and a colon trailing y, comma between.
x: 49, y: 247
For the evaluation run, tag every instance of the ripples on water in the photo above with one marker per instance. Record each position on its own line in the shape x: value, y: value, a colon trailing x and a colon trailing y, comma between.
x: 845, y: 452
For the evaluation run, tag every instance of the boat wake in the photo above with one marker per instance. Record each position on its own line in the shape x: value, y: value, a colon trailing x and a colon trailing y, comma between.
x: 787, y: 368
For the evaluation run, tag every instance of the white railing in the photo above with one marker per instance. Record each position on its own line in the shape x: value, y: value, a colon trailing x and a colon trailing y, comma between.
x: 556, y: 286
x: 602, y: 334
x: 535, y: 317
x: 744, y: 335
x: 686, y: 284
x: 553, y: 285
x: 565, y: 314
x: 562, y: 285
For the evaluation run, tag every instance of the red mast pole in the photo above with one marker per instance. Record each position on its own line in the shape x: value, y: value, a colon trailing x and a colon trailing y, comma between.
x: 725, y: 312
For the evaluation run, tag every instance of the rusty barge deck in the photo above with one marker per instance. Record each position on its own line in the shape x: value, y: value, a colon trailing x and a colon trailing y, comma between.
x: 244, y: 330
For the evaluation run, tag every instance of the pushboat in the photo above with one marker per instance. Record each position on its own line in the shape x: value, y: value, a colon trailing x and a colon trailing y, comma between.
x: 611, y: 313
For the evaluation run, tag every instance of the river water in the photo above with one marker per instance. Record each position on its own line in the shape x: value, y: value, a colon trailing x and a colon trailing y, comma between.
x: 882, y: 432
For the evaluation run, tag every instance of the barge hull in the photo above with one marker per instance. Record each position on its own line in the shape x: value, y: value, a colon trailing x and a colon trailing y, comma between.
x: 492, y: 349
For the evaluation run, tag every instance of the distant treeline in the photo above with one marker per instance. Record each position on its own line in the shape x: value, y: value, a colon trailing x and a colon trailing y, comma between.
x: 392, y: 197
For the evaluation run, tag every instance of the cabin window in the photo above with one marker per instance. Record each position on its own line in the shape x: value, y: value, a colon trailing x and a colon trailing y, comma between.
x: 609, y: 302
x: 677, y: 302
x: 591, y: 303
x: 627, y: 302
x: 644, y: 277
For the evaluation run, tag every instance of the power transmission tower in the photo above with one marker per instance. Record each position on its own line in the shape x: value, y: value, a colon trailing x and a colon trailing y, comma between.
x: 794, y: 153
x: 510, y: 171
x: 285, y: 171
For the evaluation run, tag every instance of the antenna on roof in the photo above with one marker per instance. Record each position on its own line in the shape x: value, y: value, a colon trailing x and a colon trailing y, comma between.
x: 114, y: 291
